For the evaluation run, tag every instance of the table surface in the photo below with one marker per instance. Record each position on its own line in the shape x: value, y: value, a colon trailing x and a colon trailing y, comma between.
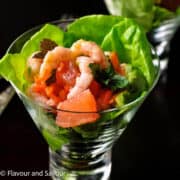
x: 151, y: 143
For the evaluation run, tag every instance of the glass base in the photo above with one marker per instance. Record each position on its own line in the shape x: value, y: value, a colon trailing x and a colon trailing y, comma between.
x: 82, y: 168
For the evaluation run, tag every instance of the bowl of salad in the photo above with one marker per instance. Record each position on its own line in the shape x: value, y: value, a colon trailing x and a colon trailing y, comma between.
x: 82, y: 81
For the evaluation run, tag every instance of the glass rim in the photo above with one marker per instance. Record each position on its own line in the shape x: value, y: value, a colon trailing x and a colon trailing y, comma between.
x: 125, y: 106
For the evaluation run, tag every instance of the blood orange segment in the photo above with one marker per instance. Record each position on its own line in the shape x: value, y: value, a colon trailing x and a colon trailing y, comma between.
x: 82, y: 110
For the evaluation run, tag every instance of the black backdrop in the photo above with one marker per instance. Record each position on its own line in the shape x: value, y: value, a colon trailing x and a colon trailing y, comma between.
x: 18, y: 16
x: 150, y: 145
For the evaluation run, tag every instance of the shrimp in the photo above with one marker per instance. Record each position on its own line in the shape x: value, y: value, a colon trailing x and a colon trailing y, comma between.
x: 34, y: 64
x: 33, y: 67
x: 86, y: 52
x: 52, y: 60
x: 85, y: 78
x: 90, y: 49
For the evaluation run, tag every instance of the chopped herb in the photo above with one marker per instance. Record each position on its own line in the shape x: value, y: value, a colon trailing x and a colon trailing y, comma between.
x: 108, y: 77
x: 52, y: 78
x: 118, y: 82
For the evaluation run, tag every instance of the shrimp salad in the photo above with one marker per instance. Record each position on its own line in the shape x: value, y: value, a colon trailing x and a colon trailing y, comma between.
x: 64, y: 73
x: 91, y: 67
x: 66, y: 76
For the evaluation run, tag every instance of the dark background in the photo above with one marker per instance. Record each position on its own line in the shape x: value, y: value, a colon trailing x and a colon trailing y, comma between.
x: 149, y: 147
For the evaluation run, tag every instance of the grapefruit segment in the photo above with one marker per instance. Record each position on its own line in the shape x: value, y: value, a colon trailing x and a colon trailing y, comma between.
x: 82, y: 110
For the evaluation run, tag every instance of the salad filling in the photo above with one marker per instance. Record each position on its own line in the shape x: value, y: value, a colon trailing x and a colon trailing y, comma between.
x: 82, y: 78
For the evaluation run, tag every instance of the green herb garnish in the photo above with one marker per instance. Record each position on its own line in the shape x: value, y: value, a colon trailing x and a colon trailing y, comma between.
x: 108, y: 77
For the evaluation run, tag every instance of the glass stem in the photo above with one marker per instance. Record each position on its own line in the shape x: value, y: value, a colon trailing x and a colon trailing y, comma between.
x: 64, y: 167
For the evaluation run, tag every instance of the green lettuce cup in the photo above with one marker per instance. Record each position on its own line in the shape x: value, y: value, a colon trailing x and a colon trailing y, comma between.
x: 84, y: 150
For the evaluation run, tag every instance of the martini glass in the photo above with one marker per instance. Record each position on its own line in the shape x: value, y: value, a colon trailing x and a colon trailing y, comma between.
x: 83, y: 152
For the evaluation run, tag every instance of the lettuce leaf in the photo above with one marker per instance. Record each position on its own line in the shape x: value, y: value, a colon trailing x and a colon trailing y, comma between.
x: 137, y: 86
x: 12, y: 66
x: 54, y: 141
x: 49, y: 31
x: 93, y: 27
x: 129, y: 41
x: 12, y: 69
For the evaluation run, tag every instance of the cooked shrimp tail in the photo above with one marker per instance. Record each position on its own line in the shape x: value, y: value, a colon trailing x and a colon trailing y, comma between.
x: 85, y: 78
x: 89, y: 49
x: 52, y: 60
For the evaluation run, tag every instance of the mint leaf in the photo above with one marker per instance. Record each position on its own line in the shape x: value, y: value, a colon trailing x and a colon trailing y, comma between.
x: 108, y: 77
